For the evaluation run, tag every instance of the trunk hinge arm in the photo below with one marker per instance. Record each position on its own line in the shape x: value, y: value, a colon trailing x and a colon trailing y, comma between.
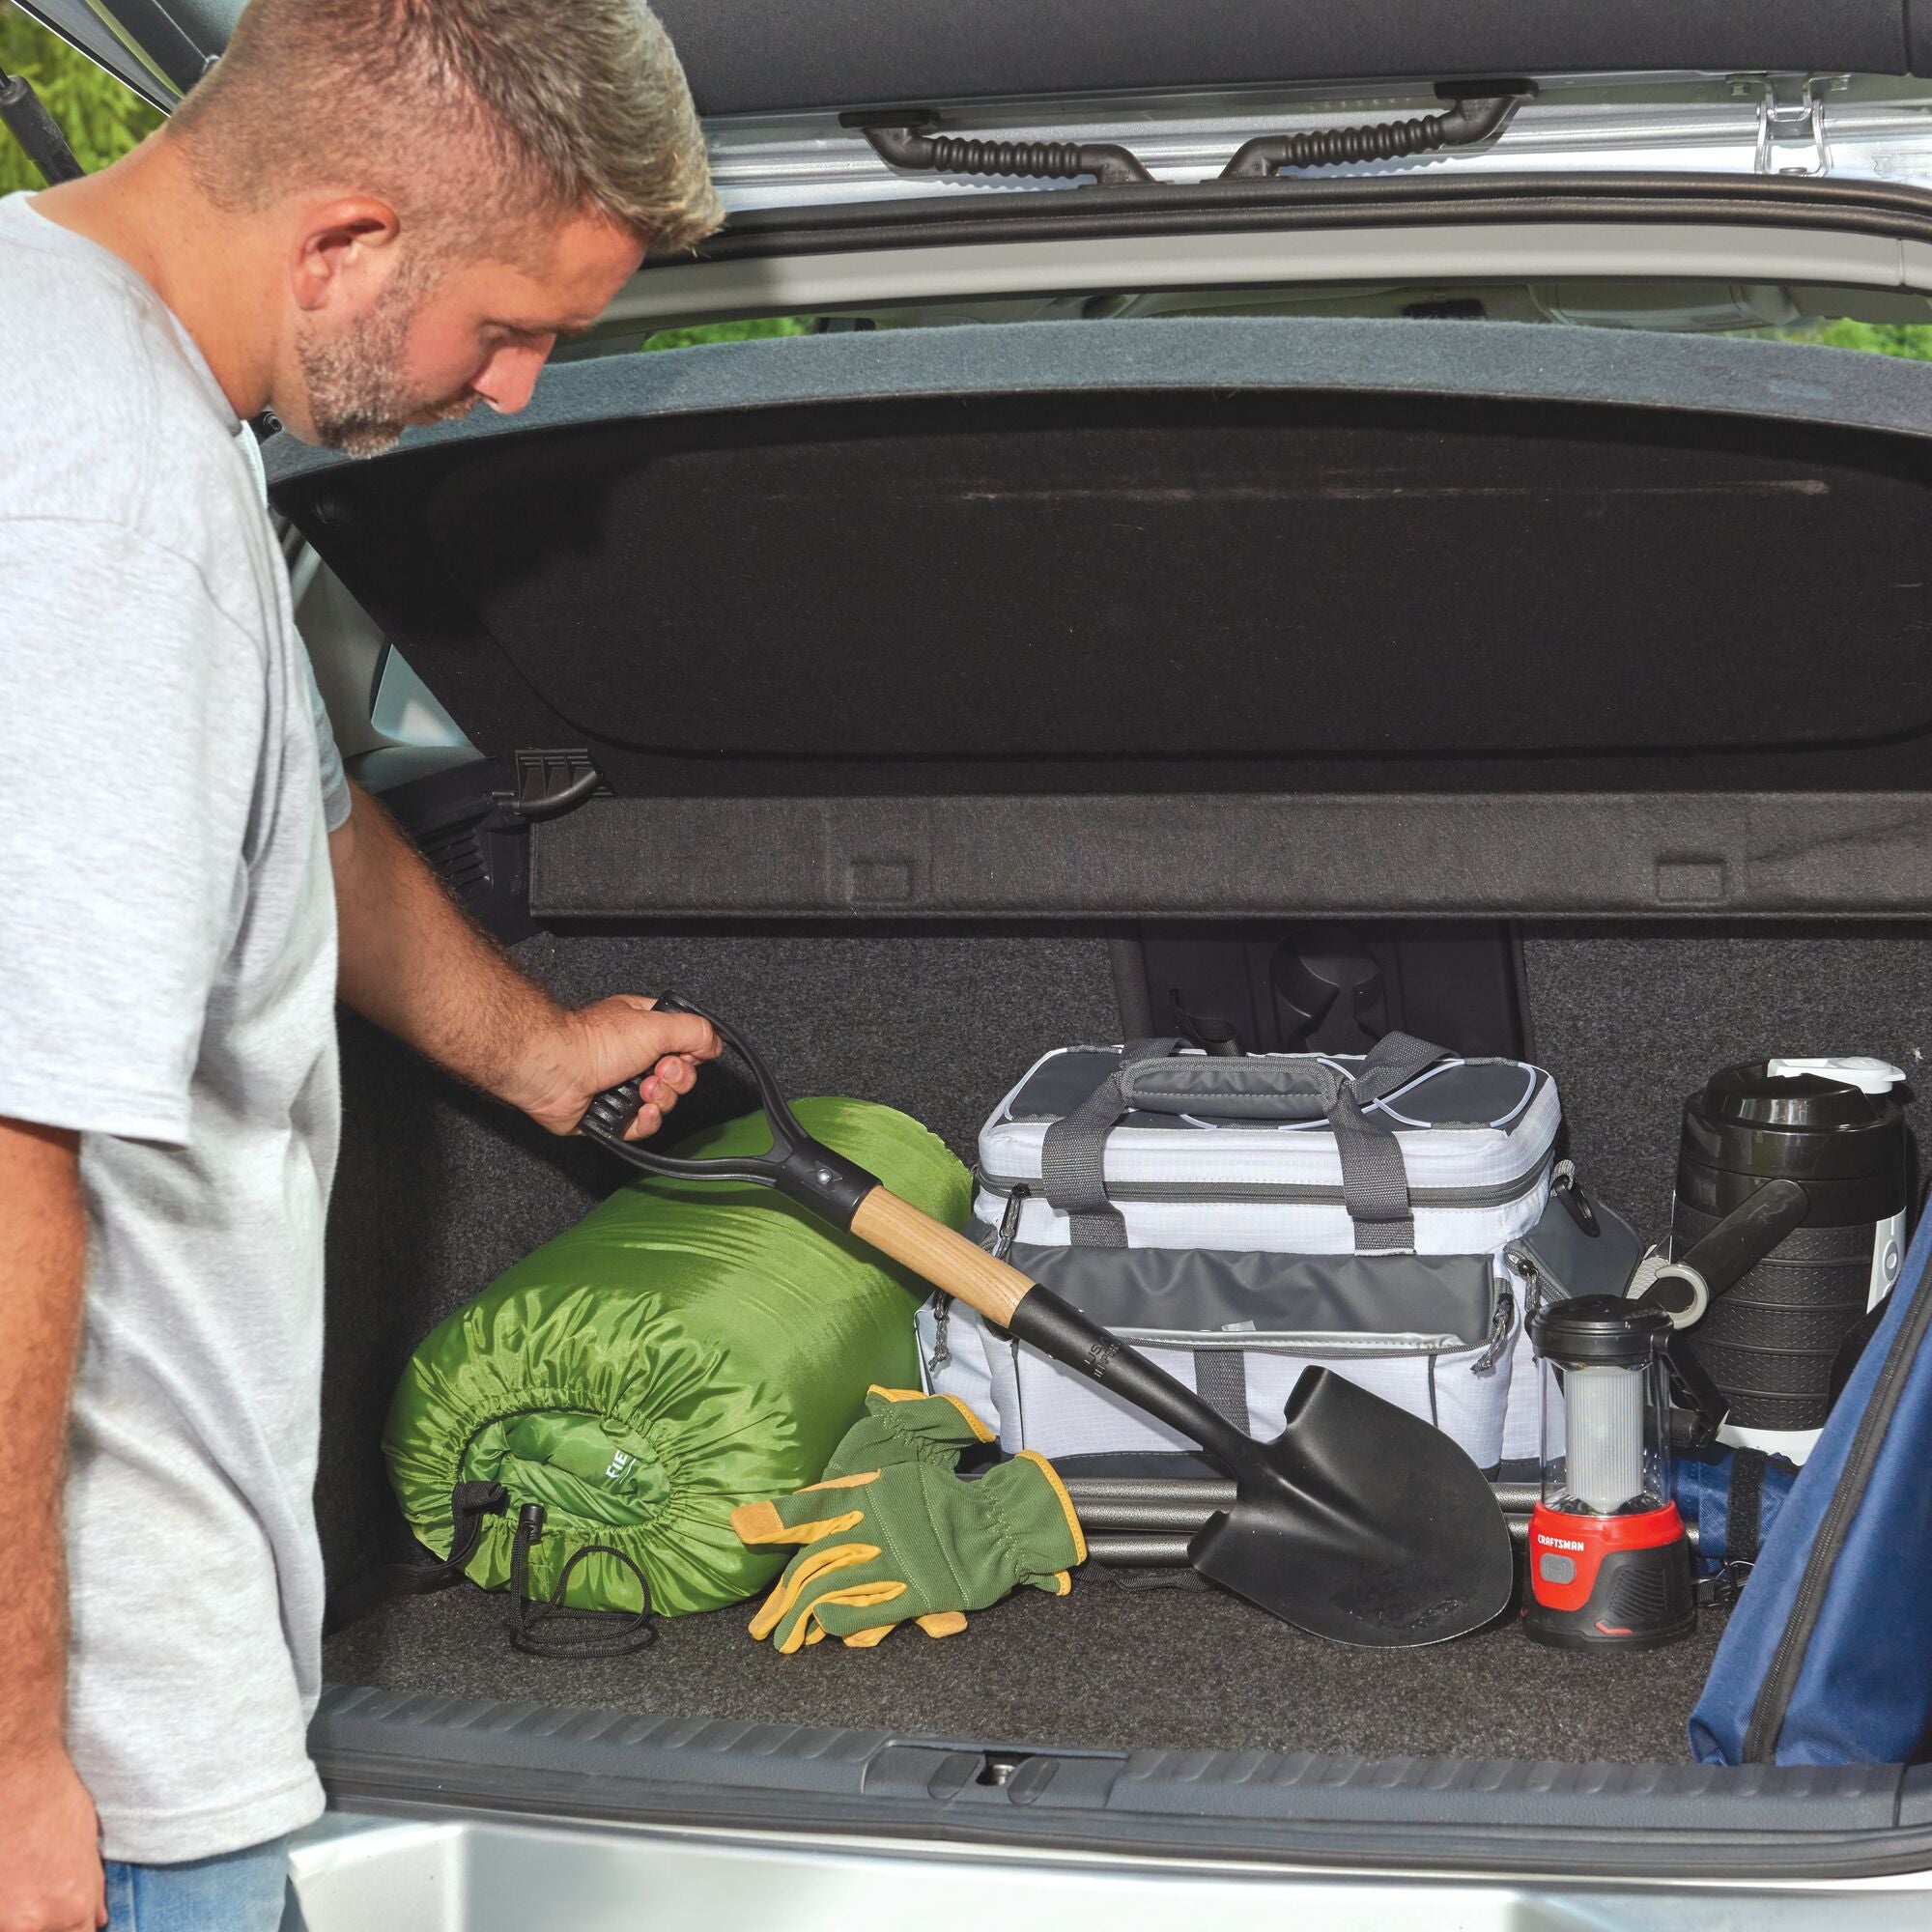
x: 903, y: 138
x: 1478, y: 110
x: 1783, y: 118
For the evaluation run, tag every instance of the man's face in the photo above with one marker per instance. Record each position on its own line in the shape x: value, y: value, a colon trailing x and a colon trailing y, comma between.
x: 433, y: 341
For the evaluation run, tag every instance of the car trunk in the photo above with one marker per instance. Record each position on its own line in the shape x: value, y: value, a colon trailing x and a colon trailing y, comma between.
x: 439, y: 1192
x: 944, y: 692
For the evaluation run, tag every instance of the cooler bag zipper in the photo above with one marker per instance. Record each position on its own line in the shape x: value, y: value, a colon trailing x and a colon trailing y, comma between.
x: 1327, y: 1344
x: 1501, y: 1328
x: 1320, y: 1344
x: 1500, y: 1194
x: 1523, y: 1265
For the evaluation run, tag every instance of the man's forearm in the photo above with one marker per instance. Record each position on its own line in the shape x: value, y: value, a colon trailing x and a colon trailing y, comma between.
x: 42, y: 1240
x: 412, y: 962
x: 416, y: 965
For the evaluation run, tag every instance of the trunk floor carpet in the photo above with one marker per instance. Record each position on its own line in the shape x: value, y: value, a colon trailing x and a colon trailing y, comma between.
x: 1107, y: 1667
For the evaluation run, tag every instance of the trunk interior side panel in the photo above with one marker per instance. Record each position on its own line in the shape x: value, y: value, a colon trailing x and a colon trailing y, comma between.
x: 1634, y: 1019
x: 439, y: 1191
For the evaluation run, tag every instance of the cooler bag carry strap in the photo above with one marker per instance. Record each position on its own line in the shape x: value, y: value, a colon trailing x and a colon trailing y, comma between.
x: 1221, y: 1382
x: 1075, y: 1147
x: 1374, y: 1183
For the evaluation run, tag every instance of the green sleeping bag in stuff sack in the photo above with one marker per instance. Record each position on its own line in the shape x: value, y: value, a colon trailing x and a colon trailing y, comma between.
x: 687, y: 1346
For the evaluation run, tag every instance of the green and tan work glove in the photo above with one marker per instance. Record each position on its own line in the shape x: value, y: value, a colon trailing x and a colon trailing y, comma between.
x: 892, y: 1534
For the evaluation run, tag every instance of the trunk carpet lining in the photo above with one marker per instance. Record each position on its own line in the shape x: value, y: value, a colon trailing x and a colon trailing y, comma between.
x: 1104, y: 1669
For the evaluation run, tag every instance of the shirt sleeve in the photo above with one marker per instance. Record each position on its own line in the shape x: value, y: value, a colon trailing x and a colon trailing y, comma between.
x: 335, y: 801
x: 131, y: 716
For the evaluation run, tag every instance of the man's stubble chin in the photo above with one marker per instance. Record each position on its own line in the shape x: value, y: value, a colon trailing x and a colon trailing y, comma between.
x: 356, y: 401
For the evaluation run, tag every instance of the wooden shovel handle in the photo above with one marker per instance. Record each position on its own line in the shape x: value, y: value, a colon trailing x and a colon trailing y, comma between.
x: 933, y: 1251
x: 950, y: 1260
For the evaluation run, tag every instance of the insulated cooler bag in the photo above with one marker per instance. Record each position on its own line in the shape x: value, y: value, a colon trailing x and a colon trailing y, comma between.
x: 1238, y: 1217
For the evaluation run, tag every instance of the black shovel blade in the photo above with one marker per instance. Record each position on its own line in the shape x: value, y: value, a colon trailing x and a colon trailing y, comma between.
x: 1361, y: 1522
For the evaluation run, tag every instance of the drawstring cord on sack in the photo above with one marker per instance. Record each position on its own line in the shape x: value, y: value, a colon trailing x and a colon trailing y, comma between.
x: 468, y: 1504
x: 637, y: 1631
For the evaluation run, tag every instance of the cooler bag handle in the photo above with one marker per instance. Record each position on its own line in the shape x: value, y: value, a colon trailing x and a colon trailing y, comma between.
x: 1374, y: 1183
x: 1075, y: 1145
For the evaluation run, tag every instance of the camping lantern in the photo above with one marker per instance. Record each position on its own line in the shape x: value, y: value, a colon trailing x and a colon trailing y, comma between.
x: 1609, y: 1565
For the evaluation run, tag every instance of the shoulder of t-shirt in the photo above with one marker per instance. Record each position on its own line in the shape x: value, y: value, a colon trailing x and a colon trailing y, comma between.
x: 111, y: 423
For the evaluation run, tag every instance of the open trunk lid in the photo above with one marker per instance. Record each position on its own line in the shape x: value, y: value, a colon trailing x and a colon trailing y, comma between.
x: 745, y: 57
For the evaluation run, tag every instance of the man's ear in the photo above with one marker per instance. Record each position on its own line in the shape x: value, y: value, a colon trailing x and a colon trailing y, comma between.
x: 336, y: 243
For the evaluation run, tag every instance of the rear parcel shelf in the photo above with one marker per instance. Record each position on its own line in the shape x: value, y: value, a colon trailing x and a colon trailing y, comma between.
x: 1219, y: 855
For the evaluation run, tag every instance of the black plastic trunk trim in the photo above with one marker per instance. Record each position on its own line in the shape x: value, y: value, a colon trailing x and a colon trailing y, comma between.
x: 421, y: 1754
x: 1856, y: 207
x: 166, y: 42
x: 1065, y: 857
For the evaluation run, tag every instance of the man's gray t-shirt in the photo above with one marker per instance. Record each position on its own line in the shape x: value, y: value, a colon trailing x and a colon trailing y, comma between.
x: 168, y: 985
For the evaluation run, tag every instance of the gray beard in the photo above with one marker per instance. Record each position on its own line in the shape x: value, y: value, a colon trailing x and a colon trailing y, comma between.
x: 356, y: 401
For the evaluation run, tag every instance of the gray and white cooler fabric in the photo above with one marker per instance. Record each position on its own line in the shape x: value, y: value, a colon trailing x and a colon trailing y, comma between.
x: 1239, y: 1216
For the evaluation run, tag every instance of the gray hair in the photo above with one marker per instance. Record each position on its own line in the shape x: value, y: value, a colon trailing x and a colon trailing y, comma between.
x: 570, y: 103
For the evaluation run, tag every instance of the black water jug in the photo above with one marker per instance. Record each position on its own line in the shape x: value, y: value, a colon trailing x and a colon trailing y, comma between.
x: 1833, y: 1126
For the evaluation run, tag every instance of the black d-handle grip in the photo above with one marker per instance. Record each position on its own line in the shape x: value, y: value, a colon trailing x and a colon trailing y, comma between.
x: 797, y: 1166
x: 609, y: 1115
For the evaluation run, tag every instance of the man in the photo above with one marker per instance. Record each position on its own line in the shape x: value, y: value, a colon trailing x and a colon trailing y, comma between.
x: 371, y: 214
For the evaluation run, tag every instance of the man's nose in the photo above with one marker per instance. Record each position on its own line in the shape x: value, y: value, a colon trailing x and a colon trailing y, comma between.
x: 510, y: 376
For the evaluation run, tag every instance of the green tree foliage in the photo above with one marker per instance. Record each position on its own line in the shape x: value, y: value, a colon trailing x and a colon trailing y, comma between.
x: 730, y: 331
x: 100, y: 118
x: 1910, y: 339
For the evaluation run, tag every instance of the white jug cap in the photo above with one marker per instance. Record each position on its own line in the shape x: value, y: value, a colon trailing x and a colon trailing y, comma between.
x: 1854, y: 1069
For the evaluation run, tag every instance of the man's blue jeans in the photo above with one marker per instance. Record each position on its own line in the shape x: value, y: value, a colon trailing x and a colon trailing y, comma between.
x: 240, y: 1891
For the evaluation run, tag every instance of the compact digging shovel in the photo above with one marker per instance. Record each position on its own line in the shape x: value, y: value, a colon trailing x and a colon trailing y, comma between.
x: 1358, y: 1522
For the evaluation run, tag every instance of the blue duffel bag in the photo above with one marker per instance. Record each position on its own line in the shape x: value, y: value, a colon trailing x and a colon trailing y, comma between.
x: 1828, y: 1657
x: 1731, y: 1498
